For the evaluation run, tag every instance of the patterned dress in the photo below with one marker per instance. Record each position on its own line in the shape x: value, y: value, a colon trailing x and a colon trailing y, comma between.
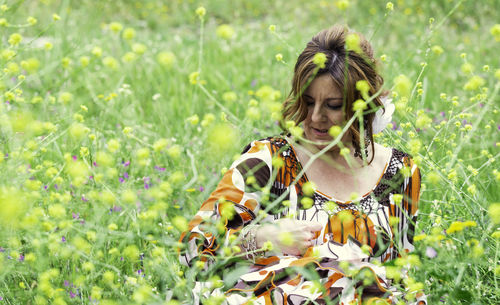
x: 357, y: 232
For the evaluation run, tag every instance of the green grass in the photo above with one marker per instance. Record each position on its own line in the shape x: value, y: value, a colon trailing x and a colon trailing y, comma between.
x: 66, y: 227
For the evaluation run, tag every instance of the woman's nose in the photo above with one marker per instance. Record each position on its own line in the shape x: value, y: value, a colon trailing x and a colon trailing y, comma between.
x: 318, y: 114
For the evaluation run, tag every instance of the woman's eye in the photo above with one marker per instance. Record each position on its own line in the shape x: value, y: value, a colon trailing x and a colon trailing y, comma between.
x: 309, y: 103
x: 334, y: 107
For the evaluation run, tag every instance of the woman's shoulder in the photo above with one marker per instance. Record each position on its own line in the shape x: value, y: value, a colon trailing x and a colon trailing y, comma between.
x: 272, y: 143
x: 384, y: 153
x: 396, y: 160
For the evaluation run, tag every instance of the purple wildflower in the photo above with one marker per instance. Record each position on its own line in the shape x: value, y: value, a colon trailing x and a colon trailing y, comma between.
x: 84, y: 199
x: 158, y: 168
x: 76, y: 216
x: 201, y: 189
x: 121, y: 180
x: 125, y: 175
x: 66, y: 283
x: 45, y: 187
x: 2, y: 249
x: 72, y: 294
x: 442, y: 113
x: 63, y: 239
x: 126, y: 164
x: 430, y: 252
x: 95, y: 164
x: 21, y: 258
x: 117, y: 208
x: 74, y: 158
x: 56, y: 186
x: 253, y: 83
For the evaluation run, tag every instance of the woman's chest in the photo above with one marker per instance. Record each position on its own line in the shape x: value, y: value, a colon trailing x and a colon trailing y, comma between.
x: 364, y: 223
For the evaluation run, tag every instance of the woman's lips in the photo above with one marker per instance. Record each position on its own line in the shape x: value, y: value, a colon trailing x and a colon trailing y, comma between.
x: 320, y: 132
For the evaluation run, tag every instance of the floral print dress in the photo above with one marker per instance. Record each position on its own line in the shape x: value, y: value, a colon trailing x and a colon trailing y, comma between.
x: 357, y: 232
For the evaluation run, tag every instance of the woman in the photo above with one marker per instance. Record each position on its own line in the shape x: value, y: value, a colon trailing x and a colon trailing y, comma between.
x: 330, y: 200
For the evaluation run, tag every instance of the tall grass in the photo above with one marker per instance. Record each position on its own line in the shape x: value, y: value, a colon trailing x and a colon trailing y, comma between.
x: 109, y: 142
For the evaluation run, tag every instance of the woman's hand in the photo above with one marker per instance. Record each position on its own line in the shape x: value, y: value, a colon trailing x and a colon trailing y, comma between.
x: 289, y: 236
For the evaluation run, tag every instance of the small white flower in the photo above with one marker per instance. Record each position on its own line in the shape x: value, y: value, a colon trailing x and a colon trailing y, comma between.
x: 383, y: 116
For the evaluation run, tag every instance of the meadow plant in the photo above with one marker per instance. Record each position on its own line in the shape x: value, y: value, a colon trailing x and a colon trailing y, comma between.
x: 117, y: 119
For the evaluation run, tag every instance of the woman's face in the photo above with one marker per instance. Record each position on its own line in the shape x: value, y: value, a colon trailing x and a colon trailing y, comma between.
x: 324, y: 109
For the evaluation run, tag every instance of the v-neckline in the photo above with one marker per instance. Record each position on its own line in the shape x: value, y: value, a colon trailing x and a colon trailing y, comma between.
x: 331, y: 198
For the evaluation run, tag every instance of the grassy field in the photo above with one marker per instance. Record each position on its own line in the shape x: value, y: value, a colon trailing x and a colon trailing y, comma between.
x: 117, y: 117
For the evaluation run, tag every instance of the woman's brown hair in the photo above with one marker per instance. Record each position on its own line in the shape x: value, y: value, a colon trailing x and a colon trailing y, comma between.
x: 346, y: 67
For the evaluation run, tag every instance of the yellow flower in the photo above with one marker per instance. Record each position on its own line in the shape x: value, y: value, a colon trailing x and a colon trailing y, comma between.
x: 363, y: 87
x: 474, y: 83
x: 272, y: 28
x: 497, y: 74
x: 84, y: 61
x: 345, y: 152
x: 166, y: 59
x: 286, y: 238
x: 31, y: 20
x: 96, y: 51
x: 139, y: 48
x: 160, y: 144
x: 15, y: 39
x: 389, y: 6
x: 180, y: 223
x: 129, y: 197
x: 342, y: 4
x: 359, y: 105
x: 335, y: 131
x: 110, y: 62
x: 438, y: 50
x: 56, y: 17
x: 174, y: 151
x: 201, y: 11
x: 296, y: 131
x: 225, y: 31
x: 467, y: 68
x: 495, y: 31
x: 229, y: 97
x: 131, y: 252
x: 306, y: 202
x: 455, y: 226
x: 128, y: 34
x: 319, y: 60
x: 494, y: 212
x: 129, y: 57
x: 113, y: 145
x: 308, y: 188
x: 194, y: 77
x: 352, y: 43
x: 402, y: 85
x: 115, y: 27
x: 345, y: 216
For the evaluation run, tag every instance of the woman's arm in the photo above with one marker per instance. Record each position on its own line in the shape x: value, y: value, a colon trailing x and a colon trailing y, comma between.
x: 231, y: 206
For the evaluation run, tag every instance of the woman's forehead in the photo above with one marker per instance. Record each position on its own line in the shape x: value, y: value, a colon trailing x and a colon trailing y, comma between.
x: 323, y: 85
